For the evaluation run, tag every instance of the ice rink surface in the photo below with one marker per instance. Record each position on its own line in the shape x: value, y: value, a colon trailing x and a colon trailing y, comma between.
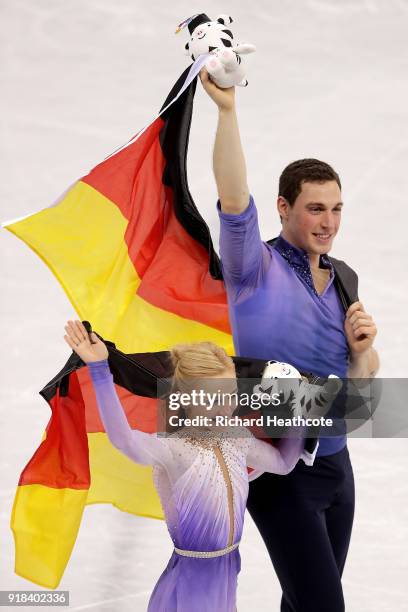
x: 328, y: 80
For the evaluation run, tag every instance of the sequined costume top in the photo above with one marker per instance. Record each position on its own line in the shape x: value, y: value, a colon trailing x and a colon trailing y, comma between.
x: 203, y: 488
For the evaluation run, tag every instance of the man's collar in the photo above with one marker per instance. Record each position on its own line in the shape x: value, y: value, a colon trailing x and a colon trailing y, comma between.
x: 296, y: 256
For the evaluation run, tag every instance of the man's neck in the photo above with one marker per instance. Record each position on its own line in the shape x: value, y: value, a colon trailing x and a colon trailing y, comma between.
x: 314, y: 260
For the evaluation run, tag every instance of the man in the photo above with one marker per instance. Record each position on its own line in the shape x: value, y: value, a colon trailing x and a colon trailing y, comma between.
x: 285, y: 305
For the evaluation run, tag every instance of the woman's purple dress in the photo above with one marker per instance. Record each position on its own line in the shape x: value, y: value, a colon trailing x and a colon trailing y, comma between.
x: 203, y: 492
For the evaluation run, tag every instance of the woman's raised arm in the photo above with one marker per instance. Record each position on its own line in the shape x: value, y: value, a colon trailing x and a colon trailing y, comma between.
x: 139, y: 446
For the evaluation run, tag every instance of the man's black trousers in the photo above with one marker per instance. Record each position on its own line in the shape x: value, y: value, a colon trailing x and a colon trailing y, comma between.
x: 305, y: 519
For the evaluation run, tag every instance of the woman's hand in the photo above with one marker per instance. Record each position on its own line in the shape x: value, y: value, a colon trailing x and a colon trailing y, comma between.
x: 78, y: 339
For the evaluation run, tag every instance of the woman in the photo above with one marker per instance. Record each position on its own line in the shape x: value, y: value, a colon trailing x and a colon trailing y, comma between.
x: 201, y: 477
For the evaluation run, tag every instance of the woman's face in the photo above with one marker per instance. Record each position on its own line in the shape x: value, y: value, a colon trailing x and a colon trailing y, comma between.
x: 214, y: 395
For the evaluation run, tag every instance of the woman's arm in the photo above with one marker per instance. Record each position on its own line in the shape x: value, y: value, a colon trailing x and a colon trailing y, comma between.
x: 279, y: 459
x: 139, y: 446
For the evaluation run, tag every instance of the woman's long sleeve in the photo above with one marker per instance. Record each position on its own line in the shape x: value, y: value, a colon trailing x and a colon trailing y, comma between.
x: 279, y: 459
x: 139, y: 446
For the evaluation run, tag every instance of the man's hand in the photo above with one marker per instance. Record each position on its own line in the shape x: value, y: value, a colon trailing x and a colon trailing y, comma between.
x: 360, y: 328
x: 360, y: 332
x: 78, y: 339
x: 224, y: 98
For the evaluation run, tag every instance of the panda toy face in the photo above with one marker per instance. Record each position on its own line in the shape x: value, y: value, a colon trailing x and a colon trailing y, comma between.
x: 209, y: 36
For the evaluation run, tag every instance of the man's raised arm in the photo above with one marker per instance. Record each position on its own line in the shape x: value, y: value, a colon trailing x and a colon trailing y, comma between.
x: 228, y: 158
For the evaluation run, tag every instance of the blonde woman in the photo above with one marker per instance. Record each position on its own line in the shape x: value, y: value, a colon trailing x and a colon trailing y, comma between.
x: 202, y: 480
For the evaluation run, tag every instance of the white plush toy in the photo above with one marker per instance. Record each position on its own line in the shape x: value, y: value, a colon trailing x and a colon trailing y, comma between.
x: 301, y: 391
x: 225, y: 64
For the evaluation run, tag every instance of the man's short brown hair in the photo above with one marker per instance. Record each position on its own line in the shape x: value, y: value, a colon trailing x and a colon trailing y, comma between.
x: 304, y: 171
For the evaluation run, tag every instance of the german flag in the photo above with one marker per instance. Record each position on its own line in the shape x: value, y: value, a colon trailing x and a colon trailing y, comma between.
x: 136, y: 259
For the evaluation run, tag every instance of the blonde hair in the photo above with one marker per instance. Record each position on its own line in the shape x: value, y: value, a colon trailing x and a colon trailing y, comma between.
x: 192, y: 362
x: 199, y: 360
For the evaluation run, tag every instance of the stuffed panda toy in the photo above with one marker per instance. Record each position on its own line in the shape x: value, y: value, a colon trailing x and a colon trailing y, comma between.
x: 225, y: 64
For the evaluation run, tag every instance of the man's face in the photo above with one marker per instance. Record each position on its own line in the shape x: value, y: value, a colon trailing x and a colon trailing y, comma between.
x: 314, y: 219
